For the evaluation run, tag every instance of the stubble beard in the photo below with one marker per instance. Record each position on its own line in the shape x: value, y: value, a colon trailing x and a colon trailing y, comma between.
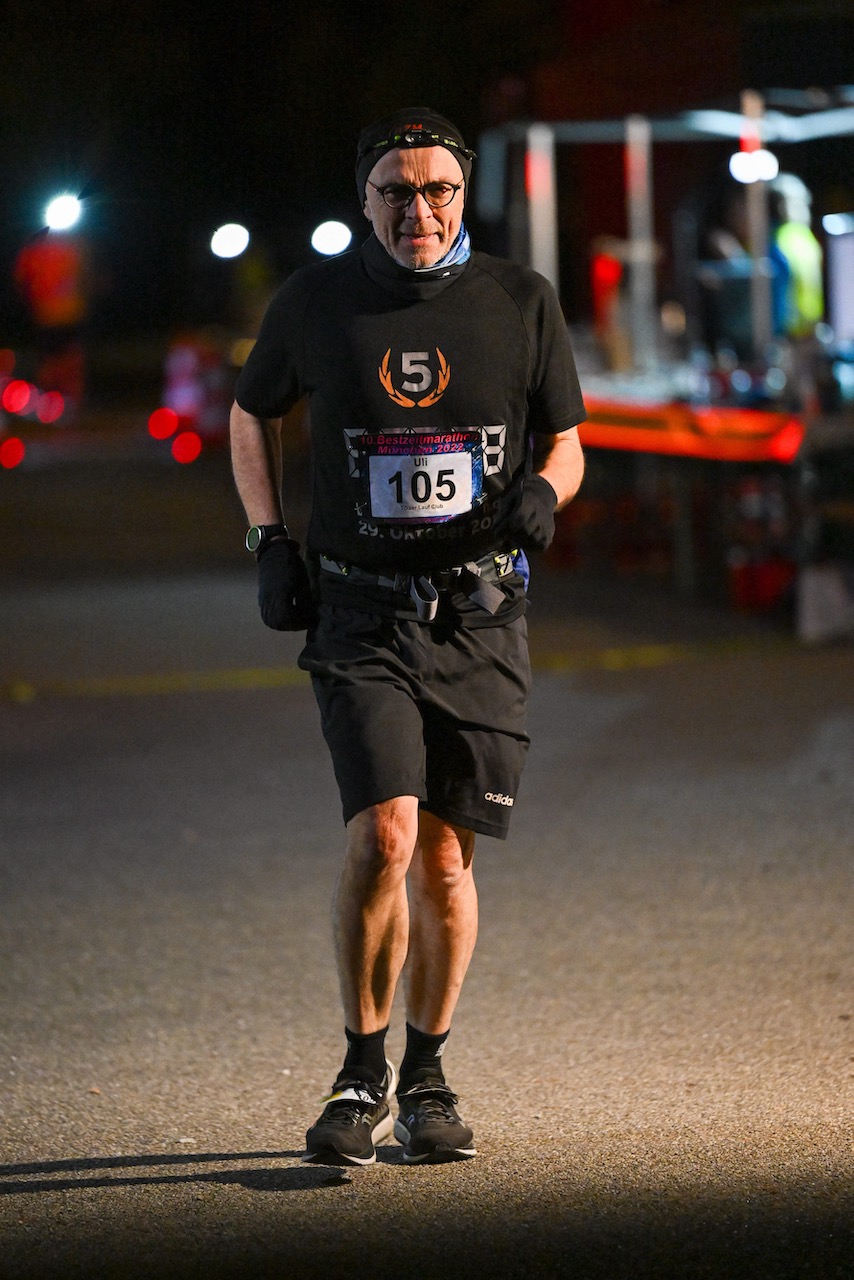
x: 418, y: 256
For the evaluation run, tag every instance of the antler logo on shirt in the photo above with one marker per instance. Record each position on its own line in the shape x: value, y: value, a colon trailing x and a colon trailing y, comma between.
x: 420, y: 379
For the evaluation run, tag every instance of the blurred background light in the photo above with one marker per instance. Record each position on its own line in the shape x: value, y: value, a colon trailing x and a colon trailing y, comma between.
x: 240, y: 351
x: 754, y: 166
x: 162, y: 424
x: 186, y: 446
x: 230, y: 240
x: 63, y: 212
x: 331, y: 238
x: 838, y: 224
x: 50, y: 406
x: 16, y: 396
x: 787, y: 442
x: 11, y: 452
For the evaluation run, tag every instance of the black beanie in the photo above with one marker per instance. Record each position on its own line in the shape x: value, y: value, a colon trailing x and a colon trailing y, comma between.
x: 409, y: 127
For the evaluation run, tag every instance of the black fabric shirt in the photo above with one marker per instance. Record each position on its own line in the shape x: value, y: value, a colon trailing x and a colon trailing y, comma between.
x: 424, y: 390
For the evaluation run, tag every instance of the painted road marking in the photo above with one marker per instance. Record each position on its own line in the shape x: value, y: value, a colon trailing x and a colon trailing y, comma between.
x: 636, y: 657
x: 230, y: 680
x: 235, y: 679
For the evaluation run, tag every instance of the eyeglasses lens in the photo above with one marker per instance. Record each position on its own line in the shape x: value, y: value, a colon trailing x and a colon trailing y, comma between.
x: 437, y: 194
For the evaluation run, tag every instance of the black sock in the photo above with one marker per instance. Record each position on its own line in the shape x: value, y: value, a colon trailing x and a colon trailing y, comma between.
x: 422, y: 1057
x: 365, y: 1058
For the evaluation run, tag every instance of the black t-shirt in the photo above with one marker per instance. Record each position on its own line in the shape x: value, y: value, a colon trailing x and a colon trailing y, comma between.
x: 423, y: 391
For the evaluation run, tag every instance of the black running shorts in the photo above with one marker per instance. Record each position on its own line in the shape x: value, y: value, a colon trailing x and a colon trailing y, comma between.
x: 421, y: 709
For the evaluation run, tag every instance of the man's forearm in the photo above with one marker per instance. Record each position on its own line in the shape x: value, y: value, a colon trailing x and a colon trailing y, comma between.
x: 559, y: 460
x: 256, y: 460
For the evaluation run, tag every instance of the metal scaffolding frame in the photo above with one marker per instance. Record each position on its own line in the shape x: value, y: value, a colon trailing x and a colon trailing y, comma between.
x: 802, y: 122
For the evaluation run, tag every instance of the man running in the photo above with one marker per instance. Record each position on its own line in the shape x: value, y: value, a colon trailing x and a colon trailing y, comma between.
x: 443, y: 406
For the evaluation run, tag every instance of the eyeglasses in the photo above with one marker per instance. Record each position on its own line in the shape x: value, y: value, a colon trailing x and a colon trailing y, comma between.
x: 399, y: 195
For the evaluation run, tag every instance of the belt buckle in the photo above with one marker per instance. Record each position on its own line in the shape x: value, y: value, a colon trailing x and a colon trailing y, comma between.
x: 444, y: 578
x: 502, y: 561
x: 331, y: 565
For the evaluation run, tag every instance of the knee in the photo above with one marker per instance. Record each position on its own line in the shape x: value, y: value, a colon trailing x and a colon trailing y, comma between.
x: 381, y: 839
x: 444, y: 864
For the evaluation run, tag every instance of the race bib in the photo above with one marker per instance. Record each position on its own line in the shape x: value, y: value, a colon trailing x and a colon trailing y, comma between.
x: 422, y: 477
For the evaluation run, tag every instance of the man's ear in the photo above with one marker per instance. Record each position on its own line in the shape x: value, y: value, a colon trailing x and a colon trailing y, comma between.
x: 366, y: 210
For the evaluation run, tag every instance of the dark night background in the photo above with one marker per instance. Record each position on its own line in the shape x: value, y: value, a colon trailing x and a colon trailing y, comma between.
x: 170, y: 118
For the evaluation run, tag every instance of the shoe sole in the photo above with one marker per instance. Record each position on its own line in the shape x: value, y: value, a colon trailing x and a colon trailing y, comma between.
x: 336, y: 1159
x: 330, y: 1155
x: 440, y: 1154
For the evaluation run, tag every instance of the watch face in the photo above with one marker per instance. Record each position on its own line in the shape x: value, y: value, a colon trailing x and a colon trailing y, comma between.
x: 254, y: 538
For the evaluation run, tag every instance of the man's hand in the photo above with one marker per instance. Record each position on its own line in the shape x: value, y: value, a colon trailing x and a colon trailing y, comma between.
x: 526, y: 517
x: 284, y: 591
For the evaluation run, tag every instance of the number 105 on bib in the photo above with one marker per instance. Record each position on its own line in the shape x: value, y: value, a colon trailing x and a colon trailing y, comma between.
x: 421, y: 487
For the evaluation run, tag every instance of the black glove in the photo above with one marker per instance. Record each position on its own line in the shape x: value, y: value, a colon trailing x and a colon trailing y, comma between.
x: 526, y: 517
x: 284, y: 591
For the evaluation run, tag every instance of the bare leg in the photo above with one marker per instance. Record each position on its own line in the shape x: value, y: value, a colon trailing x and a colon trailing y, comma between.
x: 371, y: 913
x: 443, y: 922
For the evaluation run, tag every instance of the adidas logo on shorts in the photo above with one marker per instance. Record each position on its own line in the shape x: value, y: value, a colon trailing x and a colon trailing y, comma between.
x: 497, y: 797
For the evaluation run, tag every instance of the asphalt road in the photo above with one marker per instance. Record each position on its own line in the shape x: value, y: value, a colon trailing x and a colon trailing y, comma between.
x: 655, y: 1045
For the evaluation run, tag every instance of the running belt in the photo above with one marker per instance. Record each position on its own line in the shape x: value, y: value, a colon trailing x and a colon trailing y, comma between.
x: 474, y: 579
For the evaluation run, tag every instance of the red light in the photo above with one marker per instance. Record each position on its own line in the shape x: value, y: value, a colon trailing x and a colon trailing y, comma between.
x: 187, y: 446
x: 51, y: 406
x: 163, y: 423
x: 787, y: 442
x: 538, y: 175
x: 16, y: 396
x: 11, y: 452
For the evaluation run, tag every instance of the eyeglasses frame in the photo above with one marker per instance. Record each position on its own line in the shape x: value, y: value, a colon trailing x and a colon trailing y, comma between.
x: 416, y: 191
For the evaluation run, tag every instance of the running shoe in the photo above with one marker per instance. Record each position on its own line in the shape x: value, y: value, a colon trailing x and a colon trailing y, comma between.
x: 429, y: 1127
x: 356, y: 1117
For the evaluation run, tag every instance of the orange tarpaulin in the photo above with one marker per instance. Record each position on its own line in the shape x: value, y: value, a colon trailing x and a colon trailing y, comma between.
x: 720, y: 433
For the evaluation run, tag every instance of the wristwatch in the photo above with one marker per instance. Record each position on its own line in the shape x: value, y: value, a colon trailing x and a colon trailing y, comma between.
x: 259, y: 535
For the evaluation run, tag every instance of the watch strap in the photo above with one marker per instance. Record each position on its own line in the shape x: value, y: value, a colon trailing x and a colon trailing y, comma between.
x: 259, y: 535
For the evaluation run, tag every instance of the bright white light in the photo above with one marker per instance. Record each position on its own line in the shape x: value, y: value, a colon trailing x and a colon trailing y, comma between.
x: 754, y: 166
x: 62, y: 212
x: 331, y: 238
x: 230, y: 240
x: 838, y: 224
